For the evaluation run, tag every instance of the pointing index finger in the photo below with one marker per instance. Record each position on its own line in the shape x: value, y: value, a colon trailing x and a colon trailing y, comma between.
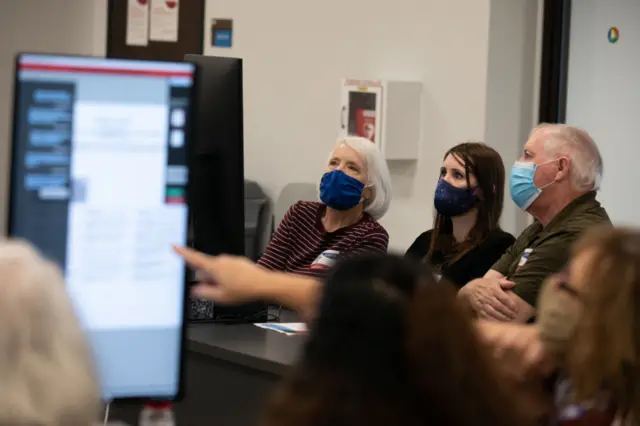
x: 193, y: 257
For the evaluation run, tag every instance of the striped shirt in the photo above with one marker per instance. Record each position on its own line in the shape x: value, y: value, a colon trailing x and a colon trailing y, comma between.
x: 301, y: 245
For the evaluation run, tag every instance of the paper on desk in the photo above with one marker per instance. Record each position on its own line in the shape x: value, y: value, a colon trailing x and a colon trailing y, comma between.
x: 288, y: 328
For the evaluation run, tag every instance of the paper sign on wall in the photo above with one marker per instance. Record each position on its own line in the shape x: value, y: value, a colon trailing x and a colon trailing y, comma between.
x: 164, y: 20
x: 137, y: 23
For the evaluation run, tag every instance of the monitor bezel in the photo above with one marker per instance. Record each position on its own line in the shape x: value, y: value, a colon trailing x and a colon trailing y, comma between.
x: 189, y: 129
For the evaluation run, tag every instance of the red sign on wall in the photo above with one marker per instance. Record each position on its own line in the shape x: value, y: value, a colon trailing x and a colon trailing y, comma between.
x: 366, y: 124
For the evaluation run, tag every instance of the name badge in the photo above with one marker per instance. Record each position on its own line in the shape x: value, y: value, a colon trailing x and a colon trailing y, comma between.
x: 326, y: 260
x: 524, y: 258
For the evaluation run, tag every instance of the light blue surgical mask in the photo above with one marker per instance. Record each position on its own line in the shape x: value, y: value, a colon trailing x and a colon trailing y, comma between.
x: 523, y: 191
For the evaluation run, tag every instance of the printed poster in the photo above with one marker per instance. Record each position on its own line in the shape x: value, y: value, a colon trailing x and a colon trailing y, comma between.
x: 137, y: 23
x: 164, y: 20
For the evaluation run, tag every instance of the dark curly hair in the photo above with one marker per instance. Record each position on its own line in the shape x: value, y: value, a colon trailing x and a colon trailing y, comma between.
x: 391, y: 346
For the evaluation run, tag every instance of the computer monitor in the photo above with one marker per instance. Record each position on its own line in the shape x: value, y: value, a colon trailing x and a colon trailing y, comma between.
x: 217, y: 173
x: 98, y: 183
x: 217, y: 164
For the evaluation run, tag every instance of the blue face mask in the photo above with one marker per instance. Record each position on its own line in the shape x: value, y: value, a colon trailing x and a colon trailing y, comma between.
x: 523, y: 191
x: 451, y: 201
x: 340, y: 191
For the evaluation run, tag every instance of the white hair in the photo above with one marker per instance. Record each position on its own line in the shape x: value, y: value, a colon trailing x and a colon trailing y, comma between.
x: 47, y: 375
x: 577, y: 144
x: 378, y: 176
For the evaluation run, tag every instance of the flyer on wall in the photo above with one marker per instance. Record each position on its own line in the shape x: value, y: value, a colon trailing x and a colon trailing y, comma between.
x: 163, y: 24
x: 137, y: 23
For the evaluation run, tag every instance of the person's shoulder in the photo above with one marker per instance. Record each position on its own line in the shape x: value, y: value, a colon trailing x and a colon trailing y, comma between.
x: 302, y: 207
x: 563, y: 236
x: 370, y: 226
x: 576, y: 224
x: 594, y: 216
x: 529, y: 232
x: 315, y: 205
x: 426, y: 235
x: 588, y: 212
x: 302, y: 212
x: 499, y: 239
x: 493, y: 247
x: 420, y: 246
x: 424, y: 239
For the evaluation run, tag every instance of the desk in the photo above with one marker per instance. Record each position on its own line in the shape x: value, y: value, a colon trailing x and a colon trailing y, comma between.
x: 230, y: 372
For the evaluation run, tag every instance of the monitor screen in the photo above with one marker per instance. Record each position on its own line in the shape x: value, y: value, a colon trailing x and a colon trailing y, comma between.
x: 98, y: 185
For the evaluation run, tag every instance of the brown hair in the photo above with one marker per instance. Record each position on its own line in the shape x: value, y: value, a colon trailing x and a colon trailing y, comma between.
x: 486, y: 165
x: 605, y: 349
x: 392, y: 346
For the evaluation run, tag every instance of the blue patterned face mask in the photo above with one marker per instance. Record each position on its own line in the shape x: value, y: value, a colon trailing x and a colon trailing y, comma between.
x: 451, y: 201
x: 340, y: 191
x: 523, y: 191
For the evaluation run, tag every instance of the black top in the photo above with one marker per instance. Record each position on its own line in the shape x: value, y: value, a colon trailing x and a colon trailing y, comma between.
x: 472, y: 265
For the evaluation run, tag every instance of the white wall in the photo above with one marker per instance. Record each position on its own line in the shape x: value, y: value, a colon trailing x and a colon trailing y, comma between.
x: 62, y: 26
x: 515, y: 40
x: 475, y: 58
x: 604, y: 96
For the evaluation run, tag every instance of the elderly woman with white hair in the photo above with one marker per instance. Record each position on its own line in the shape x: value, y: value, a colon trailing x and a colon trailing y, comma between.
x: 47, y: 375
x: 355, y: 191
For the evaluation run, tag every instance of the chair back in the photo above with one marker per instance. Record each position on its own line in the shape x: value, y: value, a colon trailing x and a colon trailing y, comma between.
x: 291, y: 194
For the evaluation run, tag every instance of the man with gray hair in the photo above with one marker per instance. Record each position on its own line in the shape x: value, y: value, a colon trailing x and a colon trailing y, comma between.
x: 47, y: 375
x: 555, y: 181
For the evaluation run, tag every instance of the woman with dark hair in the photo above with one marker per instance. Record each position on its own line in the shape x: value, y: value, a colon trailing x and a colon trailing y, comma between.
x: 466, y: 239
x: 379, y: 353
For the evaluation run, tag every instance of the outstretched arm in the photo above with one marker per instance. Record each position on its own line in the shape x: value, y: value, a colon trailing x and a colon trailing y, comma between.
x: 296, y: 292
x: 232, y: 279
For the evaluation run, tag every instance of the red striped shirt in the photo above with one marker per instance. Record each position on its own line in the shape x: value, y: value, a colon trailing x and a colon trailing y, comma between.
x: 301, y: 245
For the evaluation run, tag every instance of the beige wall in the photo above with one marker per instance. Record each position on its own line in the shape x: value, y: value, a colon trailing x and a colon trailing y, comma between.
x: 477, y: 60
x: 512, y: 86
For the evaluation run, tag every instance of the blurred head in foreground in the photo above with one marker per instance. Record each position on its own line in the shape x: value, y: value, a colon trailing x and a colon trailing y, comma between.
x: 47, y: 376
x: 391, y: 346
x: 589, y: 316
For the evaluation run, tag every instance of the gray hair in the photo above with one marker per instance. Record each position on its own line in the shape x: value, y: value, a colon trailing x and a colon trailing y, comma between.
x: 577, y: 144
x: 47, y: 375
x: 378, y: 175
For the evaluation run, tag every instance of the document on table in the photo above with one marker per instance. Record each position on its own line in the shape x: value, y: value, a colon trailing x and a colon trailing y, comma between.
x: 288, y: 328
